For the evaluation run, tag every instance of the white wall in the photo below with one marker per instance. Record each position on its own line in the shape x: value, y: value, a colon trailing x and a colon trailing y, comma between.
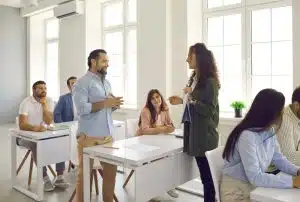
x: 296, y: 41
x: 72, y: 49
x: 12, y: 62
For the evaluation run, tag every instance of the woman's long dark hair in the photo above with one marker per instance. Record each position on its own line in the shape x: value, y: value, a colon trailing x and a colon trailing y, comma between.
x: 265, y: 110
x: 149, y: 105
x: 205, y: 63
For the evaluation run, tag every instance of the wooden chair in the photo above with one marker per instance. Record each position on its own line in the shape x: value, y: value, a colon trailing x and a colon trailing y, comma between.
x: 93, y: 177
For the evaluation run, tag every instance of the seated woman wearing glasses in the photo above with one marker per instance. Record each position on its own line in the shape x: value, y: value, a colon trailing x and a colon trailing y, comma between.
x: 252, y: 146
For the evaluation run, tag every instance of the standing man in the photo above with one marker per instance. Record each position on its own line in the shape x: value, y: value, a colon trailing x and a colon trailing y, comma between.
x: 64, y: 109
x: 35, y: 113
x: 94, y: 103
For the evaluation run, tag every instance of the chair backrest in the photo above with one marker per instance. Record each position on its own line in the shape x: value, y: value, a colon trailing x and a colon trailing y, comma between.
x: 131, y: 125
x: 73, y: 143
x: 17, y: 122
x: 216, y: 164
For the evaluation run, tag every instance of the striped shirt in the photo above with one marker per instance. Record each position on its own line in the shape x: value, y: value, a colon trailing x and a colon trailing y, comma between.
x: 289, y: 136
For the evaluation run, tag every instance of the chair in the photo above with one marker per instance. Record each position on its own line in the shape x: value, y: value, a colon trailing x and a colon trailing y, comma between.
x: 74, y: 161
x: 216, y: 163
x: 131, y: 126
x: 31, y: 160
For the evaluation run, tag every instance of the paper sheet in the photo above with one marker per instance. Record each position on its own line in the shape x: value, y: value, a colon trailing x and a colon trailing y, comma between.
x: 141, y: 147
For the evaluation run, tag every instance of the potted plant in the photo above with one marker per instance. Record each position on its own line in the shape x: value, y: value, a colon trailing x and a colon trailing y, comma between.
x: 238, y: 106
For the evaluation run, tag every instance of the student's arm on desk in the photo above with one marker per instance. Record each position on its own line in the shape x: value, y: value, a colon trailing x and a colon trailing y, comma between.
x: 24, y: 125
x: 146, y: 128
x: 83, y: 106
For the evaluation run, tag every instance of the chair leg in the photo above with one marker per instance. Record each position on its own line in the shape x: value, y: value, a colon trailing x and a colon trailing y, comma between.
x: 70, y: 165
x: 96, y: 182
x: 30, y: 170
x: 91, y: 183
x: 101, y: 173
x: 128, y: 178
x: 115, y: 198
x: 23, y: 161
x: 73, y: 195
x: 52, y: 171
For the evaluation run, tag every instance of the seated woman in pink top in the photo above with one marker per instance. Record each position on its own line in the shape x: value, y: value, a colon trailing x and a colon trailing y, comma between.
x: 155, y: 119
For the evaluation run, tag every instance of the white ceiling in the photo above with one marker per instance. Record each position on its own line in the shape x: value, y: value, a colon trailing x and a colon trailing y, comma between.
x: 12, y: 3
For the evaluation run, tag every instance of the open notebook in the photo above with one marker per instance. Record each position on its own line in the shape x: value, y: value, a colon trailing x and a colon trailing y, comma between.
x: 56, y: 127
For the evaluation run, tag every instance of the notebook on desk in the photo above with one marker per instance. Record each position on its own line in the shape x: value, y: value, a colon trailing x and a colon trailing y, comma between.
x: 56, y: 127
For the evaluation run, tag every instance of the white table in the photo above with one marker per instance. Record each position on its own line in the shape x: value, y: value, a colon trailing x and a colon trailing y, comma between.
x: 275, y: 195
x: 158, y: 161
x: 52, y: 147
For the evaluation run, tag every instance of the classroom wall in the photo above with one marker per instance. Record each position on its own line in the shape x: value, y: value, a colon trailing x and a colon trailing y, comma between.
x: 13, y: 76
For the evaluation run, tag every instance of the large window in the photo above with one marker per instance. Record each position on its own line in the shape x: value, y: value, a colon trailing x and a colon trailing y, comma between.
x: 51, y: 67
x: 120, y: 40
x: 252, y: 45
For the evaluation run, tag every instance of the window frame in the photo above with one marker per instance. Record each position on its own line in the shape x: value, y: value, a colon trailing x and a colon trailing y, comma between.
x: 244, y: 8
x: 125, y: 27
x: 47, y: 42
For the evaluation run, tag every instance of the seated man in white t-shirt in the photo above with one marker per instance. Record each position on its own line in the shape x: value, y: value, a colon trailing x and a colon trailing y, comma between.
x: 35, y: 113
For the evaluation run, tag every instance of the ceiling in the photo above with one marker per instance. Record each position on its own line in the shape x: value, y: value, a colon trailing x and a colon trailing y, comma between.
x: 16, y: 3
x: 12, y: 3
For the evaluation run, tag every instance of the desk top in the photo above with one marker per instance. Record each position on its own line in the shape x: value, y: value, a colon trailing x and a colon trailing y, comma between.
x: 41, y: 135
x: 275, y: 195
x: 138, y: 150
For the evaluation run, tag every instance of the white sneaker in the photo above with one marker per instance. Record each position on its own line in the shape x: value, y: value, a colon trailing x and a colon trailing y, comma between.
x: 173, y: 193
x: 61, y: 183
x: 48, y: 186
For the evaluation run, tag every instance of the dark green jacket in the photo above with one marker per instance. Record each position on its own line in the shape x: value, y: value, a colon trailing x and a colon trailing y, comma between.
x: 201, y: 134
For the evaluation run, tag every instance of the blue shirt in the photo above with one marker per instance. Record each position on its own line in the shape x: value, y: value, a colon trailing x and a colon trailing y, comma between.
x: 253, y: 154
x: 87, y: 90
x: 63, y: 111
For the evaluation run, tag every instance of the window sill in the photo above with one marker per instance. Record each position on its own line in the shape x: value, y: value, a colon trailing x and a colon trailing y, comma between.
x: 229, y: 119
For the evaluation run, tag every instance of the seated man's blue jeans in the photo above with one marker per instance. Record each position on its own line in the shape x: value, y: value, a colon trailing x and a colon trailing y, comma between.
x: 60, y: 167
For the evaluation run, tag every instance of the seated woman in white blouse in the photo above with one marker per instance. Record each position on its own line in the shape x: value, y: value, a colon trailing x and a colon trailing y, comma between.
x: 252, y: 146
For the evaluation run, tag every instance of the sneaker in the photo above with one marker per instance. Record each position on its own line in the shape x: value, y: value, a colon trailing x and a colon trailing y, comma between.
x: 48, y: 186
x: 61, y: 183
x: 173, y: 193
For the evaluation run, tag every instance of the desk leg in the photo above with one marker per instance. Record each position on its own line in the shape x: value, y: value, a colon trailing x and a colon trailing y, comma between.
x: 40, y: 181
x: 13, y: 158
x: 86, y: 178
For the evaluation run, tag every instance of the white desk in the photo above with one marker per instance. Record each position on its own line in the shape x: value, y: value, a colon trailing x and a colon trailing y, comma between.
x: 52, y: 147
x: 275, y: 195
x: 158, y: 161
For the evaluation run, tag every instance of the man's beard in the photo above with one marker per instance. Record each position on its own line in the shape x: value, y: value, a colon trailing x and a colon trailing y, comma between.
x: 102, y: 72
x: 41, y: 95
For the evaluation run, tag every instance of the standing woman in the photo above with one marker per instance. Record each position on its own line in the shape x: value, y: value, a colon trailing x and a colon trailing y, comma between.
x: 201, y: 114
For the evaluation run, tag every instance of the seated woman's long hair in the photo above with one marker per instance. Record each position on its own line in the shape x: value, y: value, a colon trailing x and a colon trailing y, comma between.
x: 149, y: 105
x: 265, y: 110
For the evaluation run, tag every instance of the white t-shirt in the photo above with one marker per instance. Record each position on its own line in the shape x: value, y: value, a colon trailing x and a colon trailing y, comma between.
x: 34, y: 110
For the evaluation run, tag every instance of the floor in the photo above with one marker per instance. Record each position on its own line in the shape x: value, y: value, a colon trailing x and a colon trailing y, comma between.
x: 7, y: 194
